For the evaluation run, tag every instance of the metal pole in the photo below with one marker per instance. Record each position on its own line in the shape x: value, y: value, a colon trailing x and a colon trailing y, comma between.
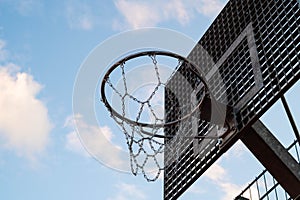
x: 275, y: 158
x: 291, y: 119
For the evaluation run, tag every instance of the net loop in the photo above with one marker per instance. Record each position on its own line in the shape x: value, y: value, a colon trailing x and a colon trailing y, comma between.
x: 145, y: 136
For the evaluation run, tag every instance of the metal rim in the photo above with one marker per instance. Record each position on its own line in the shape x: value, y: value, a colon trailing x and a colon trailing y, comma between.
x: 142, y: 124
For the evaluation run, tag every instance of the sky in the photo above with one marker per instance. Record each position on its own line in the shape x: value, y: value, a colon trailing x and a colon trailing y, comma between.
x: 43, y: 46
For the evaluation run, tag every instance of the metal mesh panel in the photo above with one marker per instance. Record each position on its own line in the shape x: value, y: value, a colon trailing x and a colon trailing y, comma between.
x: 180, y: 163
x: 278, y: 45
x: 254, y: 58
x: 234, y: 71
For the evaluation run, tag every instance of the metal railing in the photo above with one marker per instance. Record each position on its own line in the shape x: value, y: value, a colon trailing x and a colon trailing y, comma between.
x: 264, y: 186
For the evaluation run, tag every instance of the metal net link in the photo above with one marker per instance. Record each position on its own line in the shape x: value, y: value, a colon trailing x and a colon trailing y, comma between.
x: 146, y: 150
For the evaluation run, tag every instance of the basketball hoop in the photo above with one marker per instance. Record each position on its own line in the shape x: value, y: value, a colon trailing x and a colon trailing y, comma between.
x: 145, y: 136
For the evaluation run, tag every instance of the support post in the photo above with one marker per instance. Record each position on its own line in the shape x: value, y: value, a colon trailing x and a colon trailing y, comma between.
x: 275, y: 158
x: 291, y: 119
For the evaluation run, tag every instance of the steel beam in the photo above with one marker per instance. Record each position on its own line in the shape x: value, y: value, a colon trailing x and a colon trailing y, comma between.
x: 275, y: 158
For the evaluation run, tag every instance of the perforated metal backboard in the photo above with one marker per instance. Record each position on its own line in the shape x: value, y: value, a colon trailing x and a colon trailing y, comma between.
x: 254, y: 58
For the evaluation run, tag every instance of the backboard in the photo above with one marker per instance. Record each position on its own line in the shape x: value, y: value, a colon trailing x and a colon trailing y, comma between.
x: 254, y: 58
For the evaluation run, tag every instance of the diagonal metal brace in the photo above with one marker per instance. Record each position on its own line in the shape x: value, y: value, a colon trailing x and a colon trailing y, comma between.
x: 275, y: 158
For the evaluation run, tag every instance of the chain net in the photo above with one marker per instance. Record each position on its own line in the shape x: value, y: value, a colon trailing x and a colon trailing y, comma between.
x: 144, y: 133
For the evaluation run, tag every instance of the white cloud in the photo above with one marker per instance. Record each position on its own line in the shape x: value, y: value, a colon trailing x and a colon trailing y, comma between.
x: 128, y: 192
x: 137, y: 14
x: 79, y: 16
x: 97, y: 141
x: 24, y: 121
x: 73, y: 144
x: 196, y: 190
x: 236, y: 151
x: 219, y: 176
x: 222, y: 179
x: 209, y: 7
x: 176, y: 9
x: 216, y: 173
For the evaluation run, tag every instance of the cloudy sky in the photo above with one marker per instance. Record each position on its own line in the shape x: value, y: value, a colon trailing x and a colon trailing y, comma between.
x: 42, y: 46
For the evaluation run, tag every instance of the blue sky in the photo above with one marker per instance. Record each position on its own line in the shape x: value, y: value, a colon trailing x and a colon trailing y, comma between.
x: 42, y: 46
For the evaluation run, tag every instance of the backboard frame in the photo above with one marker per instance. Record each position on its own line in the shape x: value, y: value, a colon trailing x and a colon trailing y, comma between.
x: 271, y: 29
